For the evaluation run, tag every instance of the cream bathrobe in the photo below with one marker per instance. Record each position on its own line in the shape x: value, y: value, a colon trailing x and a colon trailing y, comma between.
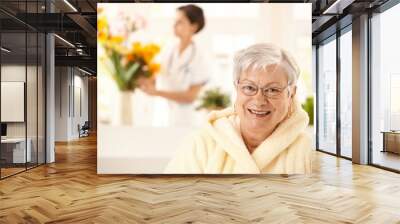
x: 218, y: 148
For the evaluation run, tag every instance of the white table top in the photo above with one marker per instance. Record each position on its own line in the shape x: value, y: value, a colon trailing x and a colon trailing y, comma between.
x: 136, y: 150
x: 13, y: 140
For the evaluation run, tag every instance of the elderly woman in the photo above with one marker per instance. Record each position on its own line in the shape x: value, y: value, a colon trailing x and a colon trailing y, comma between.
x: 265, y: 131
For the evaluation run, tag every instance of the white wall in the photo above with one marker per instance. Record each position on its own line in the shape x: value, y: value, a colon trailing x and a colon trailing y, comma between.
x: 71, y: 93
x: 61, y: 103
x: 80, y: 103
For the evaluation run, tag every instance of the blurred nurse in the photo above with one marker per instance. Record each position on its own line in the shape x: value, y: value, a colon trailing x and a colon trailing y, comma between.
x: 184, y: 69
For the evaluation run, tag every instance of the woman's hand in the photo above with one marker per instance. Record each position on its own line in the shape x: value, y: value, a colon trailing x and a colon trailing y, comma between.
x: 148, y: 86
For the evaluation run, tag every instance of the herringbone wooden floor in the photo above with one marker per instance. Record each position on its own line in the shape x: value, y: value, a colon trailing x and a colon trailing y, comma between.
x: 70, y: 191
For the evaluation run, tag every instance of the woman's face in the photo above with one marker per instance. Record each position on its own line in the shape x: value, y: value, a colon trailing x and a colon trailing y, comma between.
x: 182, y: 27
x: 259, y: 112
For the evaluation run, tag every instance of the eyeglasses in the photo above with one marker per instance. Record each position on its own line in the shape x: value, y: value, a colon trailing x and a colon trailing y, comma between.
x: 272, y: 92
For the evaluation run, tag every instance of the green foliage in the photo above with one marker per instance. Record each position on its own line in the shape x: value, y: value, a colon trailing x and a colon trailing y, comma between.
x: 308, y: 106
x: 125, y: 77
x: 214, y: 99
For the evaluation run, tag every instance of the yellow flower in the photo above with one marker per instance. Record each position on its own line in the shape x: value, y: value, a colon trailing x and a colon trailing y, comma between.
x: 149, y: 51
x: 116, y: 39
x: 102, y: 24
x: 146, y: 52
x: 130, y: 57
x: 153, y: 49
x: 146, y: 57
x: 154, y: 68
x: 102, y: 36
x: 102, y: 28
x: 137, y: 47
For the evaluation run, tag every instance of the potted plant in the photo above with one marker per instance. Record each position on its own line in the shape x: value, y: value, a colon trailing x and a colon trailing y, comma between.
x: 308, y: 106
x: 214, y: 99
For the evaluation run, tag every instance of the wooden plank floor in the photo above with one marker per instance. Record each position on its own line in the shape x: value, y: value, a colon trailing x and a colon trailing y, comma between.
x: 10, y: 171
x: 70, y: 191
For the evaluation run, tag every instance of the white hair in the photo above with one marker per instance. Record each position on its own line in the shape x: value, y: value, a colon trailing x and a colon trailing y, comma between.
x: 259, y: 56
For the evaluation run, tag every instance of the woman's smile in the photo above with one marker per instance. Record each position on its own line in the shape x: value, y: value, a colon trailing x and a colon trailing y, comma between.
x: 259, y: 113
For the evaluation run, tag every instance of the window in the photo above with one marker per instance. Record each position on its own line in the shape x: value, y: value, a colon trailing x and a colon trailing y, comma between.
x: 327, y: 96
x: 346, y: 94
x: 385, y: 88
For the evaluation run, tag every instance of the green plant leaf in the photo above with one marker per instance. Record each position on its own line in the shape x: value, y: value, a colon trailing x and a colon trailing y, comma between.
x: 131, y: 71
x: 308, y: 106
x: 118, y: 76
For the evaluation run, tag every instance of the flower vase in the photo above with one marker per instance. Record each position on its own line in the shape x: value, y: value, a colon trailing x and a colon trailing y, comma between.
x: 126, y: 105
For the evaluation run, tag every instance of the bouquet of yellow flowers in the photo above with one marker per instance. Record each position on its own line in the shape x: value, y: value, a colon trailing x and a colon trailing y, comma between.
x: 126, y: 62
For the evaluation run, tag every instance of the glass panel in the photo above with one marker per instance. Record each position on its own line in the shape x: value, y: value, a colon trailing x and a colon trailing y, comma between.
x: 32, y: 95
x: 13, y: 87
x: 23, y: 88
x: 386, y: 89
x: 327, y: 97
x: 31, y: 85
x: 346, y: 94
x: 41, y: 98
x: 13, y: 92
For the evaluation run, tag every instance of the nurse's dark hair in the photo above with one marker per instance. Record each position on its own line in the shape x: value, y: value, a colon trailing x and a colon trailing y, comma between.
x: 194, y: 14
